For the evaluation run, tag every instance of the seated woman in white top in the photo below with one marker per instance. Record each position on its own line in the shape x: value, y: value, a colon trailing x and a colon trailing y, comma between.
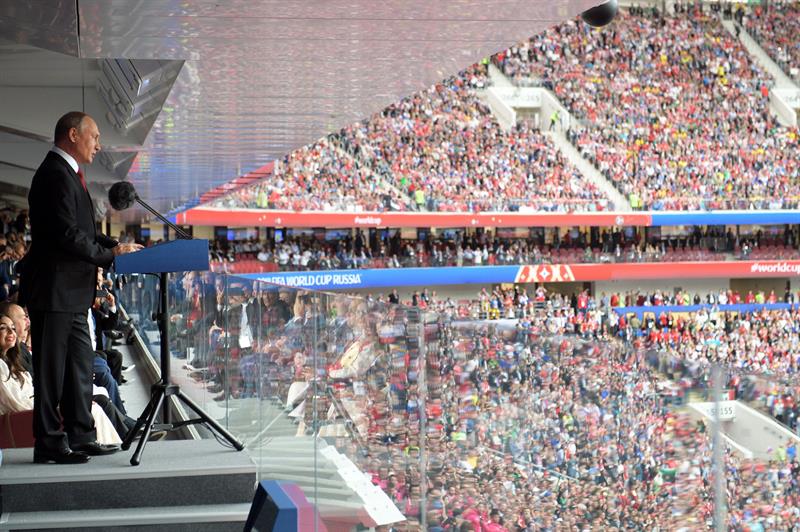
x: 16, y: 386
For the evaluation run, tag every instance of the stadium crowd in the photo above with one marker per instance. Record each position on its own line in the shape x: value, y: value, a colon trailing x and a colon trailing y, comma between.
x: 563, y: 246
x: 775, y: 28
x: 672, y: 109
x: 439, y: 150
x: 547, y: 409
x: 319, y: 177
x: 762, y: 343
x: 444, y: 147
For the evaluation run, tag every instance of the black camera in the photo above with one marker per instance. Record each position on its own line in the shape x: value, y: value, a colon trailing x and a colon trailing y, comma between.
x: 601, y: 15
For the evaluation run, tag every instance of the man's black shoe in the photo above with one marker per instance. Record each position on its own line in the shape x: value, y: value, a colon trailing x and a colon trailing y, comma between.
x: 94, y: 449
x: 61, y: 456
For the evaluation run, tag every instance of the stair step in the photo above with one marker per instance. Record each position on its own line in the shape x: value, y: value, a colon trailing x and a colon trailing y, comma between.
x: 176, y: 473
x: 299, y: 457
x: 342, y: 493
x: 298, y: 472
x: 330, y: 507
x: 782, y: 80
x: 280, y: 445
x: 308, y: 482
x: 589, y: 171
x: 277, y: 429
x: 202, y: 518
x: 293, y: 457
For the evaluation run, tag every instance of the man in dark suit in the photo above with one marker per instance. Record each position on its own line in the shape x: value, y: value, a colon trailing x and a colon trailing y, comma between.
x: 58, y: 280
x: 105, y: 319
x: 107, y: 363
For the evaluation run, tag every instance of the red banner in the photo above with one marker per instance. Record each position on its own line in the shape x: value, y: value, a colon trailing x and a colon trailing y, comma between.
x: 553, y: 273
x: 264, y: 218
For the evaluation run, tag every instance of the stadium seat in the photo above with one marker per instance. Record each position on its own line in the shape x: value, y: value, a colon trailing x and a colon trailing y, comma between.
x: 16, y: 430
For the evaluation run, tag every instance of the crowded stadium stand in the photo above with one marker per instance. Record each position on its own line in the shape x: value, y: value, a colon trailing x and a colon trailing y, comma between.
x: 679, y: 120
x: 439, y: 150
x: 320, y: 177
x: 345, y: 249
x: 435, y: 319
x: 775, y: 28
x: 647, y: 117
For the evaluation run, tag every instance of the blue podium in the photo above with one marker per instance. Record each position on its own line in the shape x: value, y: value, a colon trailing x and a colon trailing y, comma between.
x: 162, y: 259
x: 168, y: 257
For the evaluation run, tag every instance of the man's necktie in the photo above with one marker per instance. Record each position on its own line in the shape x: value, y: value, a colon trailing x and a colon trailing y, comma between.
x: 83, y: 181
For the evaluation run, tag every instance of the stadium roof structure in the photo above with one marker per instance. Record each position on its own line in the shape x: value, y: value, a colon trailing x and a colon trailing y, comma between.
x: 205, y: 91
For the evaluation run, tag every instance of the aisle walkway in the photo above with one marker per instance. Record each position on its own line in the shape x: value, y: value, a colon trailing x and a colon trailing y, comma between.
x: 782, y: 81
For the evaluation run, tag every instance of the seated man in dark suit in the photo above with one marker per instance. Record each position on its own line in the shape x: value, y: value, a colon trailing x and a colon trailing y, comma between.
x: 104, y: 314
x: 102, y: 320
x: 102, y: 378
x: 6, y: 270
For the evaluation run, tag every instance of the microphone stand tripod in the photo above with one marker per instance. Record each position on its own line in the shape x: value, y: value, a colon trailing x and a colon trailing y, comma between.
x: 162, y: 389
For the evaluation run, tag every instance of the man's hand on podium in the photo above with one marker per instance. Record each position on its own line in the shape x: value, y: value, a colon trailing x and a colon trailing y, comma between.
x: 122, y: 249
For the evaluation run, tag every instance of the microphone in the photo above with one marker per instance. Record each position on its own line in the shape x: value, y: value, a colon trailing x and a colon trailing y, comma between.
x: 122, y: 195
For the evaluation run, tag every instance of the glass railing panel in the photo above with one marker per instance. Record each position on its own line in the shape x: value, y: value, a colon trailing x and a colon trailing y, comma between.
x: 195, y: 313
x: 139, y: 295
x: 352, y: 410
x: 371, y: 414
x: 443, y: 416
x: 205, y: 347
x: 309, y: 392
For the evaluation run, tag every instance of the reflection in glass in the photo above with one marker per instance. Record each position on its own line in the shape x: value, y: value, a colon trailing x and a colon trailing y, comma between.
x: 454, y: 416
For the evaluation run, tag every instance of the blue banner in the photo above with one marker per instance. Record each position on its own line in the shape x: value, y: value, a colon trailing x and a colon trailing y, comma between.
x: 742, y: 307
x: 726, y: 218
x: 348, y: 279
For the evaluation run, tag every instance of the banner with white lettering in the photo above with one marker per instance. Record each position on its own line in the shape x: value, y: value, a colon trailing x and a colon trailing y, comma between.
x: 533, y: 273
